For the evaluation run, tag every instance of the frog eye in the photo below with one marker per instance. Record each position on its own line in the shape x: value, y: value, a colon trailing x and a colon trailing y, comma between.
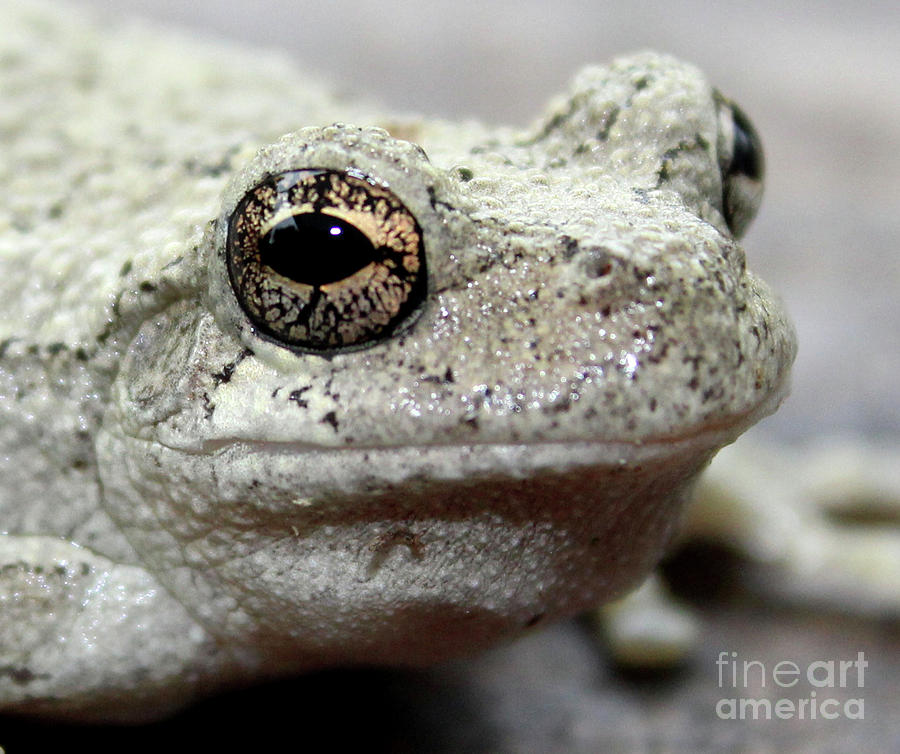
x: 742, y: 166
x: 325, y: 260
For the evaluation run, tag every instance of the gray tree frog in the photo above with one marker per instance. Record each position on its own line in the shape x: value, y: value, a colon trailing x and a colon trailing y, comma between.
x: 377, y: 393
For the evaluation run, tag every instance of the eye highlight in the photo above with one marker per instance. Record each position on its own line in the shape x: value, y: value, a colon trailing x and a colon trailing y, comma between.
x: 325, y: 260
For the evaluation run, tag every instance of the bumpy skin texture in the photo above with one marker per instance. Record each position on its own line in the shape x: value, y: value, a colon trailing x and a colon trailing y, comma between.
x: 186, y: 504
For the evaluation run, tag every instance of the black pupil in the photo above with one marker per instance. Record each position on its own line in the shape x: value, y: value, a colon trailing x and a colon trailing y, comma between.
x: 747, y: 157
x: 315, y: 249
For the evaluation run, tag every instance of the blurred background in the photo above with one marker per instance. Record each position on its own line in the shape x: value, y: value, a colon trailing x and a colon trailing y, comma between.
x: 820, y: 82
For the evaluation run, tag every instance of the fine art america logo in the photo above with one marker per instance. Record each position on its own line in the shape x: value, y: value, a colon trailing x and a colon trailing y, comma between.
x: 785, y: 690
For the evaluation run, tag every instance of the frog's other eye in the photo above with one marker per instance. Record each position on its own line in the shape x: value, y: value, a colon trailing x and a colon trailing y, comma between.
x: 325, y: 260
x: 742, y: 166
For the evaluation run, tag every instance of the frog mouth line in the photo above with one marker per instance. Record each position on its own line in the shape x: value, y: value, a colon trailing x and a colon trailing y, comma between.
x: 710, y: 434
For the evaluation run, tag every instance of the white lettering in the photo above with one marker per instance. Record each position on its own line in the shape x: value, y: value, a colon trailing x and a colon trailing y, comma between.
x: 831, y: 703
x: 858, y: 713
x: 845, y: 666
x: 828, y: 680
x: 756, y: 705
x: 861, y: 665
x: 762, y: 673
x: 753, y: 674
x: 720, y: 664
x: 726, y: 709
x: 790, y: 668
x: 784, y: 709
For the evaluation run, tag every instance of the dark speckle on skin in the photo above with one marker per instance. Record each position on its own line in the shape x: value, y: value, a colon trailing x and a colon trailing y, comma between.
x: 20, y: 675
x: 557, y: 407
x: 711, y: 393
x: 608, y: 123
x: 569, y: 247
x: 435, y: 202
x: 5, y: 344
x: 445, y: 379
x: 175, y: 262
x: 297, y: 396
x: 698, y: 142
x: 556, y: 121
x: 220, y: 378
x: 641, y: 195
x: 330, y: 418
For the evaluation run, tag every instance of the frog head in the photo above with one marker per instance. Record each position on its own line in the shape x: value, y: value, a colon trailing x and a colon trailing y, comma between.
x: 399, y: 405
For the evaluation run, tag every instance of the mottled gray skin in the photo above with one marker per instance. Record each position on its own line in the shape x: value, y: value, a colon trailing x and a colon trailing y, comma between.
x: 185, y: 505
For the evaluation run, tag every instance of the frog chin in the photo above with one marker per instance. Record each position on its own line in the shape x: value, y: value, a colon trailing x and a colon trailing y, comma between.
x: 319, y: 557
